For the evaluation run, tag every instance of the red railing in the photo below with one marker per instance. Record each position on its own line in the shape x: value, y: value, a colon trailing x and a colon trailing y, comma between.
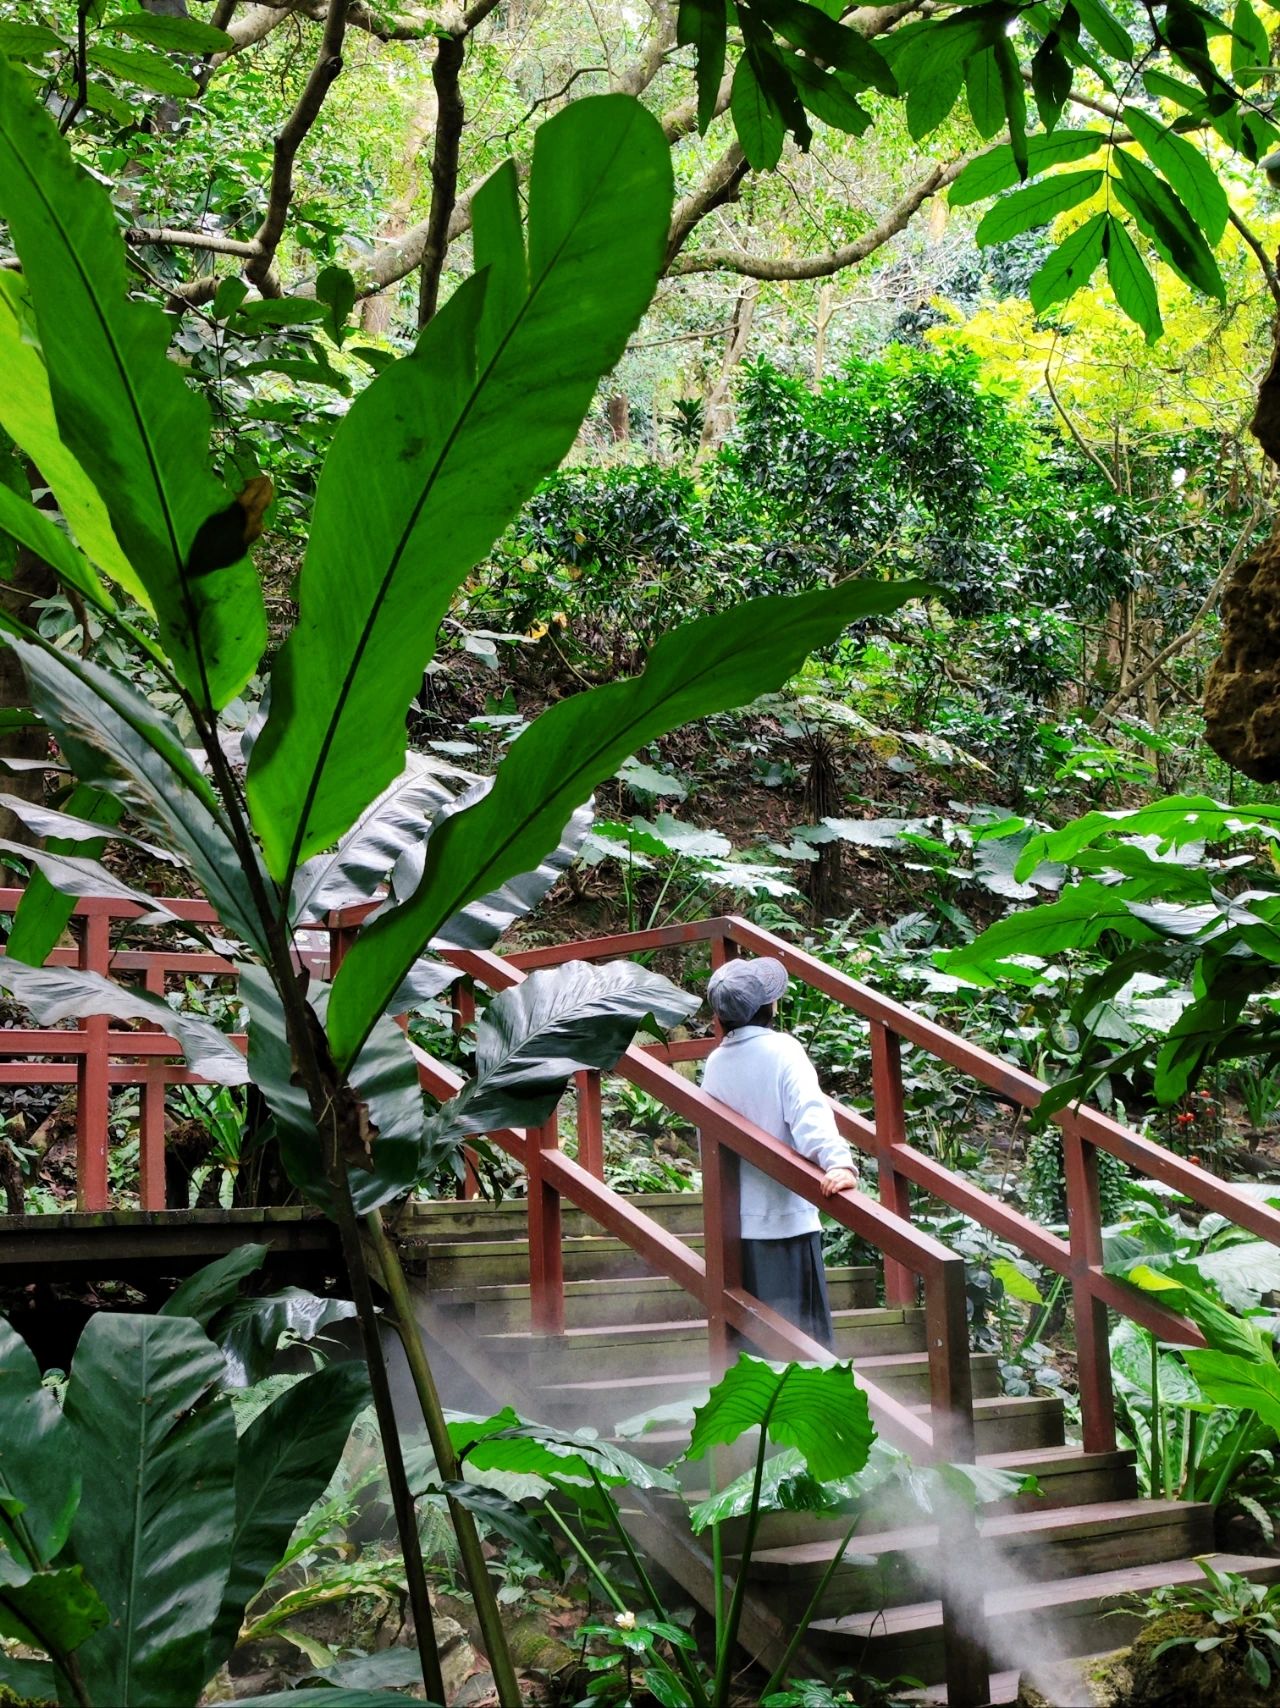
x: 726, y: 1139
x: 98, y: 1057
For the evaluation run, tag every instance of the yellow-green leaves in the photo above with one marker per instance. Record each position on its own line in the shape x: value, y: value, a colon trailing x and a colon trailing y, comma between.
x: 124, y: 411
x: 438, y: 454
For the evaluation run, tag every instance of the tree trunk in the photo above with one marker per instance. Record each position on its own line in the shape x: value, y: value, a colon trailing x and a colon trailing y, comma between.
x: 618, y: 409
x: 719, y: 413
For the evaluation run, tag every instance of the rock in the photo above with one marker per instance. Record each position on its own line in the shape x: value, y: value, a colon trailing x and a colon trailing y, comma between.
x: 1089, y: 1683
x: 1242, y: 690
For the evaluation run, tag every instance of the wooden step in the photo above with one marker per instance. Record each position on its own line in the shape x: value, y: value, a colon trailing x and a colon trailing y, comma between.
x: 891, y: 1567
x: 1066, y: 1476
x: 449, y: 1264
x: 455, y: 1220
x: 678, y: 1348
x: 1027, y: 1622
x: 633, y: 1299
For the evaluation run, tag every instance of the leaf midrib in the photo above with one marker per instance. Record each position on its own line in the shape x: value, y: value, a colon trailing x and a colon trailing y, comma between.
x: 366, y: 633
x: 144, y: 435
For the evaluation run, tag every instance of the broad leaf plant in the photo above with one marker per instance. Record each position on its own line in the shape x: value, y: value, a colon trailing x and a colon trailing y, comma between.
x: 322, y: 805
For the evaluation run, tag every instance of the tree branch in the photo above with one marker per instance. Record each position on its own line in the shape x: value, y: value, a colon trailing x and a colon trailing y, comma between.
x: 261, y: 19
x: 446, y: 75
x: 324, y: 72
x: 164, y: 236
x: 1264, y: 260
x: 835, y: 260
x: 722, y: 184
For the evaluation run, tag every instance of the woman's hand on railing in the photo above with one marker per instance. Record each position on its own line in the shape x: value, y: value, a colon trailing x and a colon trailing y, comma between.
x: 838, y: 1180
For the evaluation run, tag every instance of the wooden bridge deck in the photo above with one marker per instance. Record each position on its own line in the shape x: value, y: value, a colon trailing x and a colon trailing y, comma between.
x: 134, y: 1244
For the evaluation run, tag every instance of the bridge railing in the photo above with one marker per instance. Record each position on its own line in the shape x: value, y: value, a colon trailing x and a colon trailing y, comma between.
x: 99, y: 1058
x: 1086, y: 1133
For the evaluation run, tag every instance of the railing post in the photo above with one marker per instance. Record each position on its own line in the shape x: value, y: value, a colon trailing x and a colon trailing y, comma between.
x: 1093, y: 1351
x: 964, y: 1624
x: 591, y: 1123
x: 93, y: 1077
x: 890, y: 1117
x: 546, y: 1251
x: 722, y: 1250
x: 723, y: 948
x: 151, y: 1181
x: 463, y: 1003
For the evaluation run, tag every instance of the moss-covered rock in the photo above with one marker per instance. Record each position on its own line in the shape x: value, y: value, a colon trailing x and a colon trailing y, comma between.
x: 1184, y: 1677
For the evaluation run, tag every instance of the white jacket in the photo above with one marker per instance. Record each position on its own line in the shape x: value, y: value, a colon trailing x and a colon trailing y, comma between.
x: 767, y: 1077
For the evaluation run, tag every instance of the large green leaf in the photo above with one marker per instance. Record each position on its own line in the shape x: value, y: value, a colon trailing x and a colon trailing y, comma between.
x: 1161, y: 215
x: 174, y: 34
x: 250, y: 1330
x: 1071, y: 265
x: 498, y: 1512
x: 438, y: 454
x: 1075, y: 920
x: 1250, y: 45
x: 43, y: 912
x: 74, y: 875
x: 65, y: 993
x: 1228, y: 1381
x: 1186, y: 169
x: 118, y: 742
x: 1038, y: 204
x: 533, y: 1038
x: 39, y: 1461
x: 997, y: 170
x: 30, y: 1681
x: 361, y: 859
x: 54, y: 1610
x: 821, y: 1412
x: 1175, y: 822
x: 124, y: 410
x: 156, y: 1519
x: 27, y: 416
x: 706, y: 666
x: 42, y: 536
x: 558, y: 1456
x: 211, y: 1289
x: 67, y: 826
x: 1130, y: 279
x: 385, y: 1077
x: 287, y: 1456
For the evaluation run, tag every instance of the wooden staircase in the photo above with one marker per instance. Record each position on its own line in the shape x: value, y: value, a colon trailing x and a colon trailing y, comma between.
x: 1057, y: 1565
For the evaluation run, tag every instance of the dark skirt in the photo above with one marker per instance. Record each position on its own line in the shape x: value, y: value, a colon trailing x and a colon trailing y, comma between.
x: 789, y: 1275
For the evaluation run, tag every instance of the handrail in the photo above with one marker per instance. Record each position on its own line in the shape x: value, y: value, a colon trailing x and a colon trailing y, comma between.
x: 727, y: 1138
x: 1085, y: 1132
x: 97, y: 1056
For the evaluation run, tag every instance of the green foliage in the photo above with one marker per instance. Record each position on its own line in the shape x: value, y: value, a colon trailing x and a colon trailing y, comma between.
x: 1241, y: 1623
x: 124, y: 411
x: 464, y: 428
x: 143, y: 1569
x: 1154, y: 905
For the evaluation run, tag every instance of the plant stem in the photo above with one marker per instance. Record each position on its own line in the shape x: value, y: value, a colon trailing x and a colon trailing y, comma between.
x: 1036, y: 1328
x: 726, y: 1637
x: 1156, y: 1479
x: 343, y: 1213
x: 584, y: 1556
x: 1233, y: 1458
x: 482, y: 1592
x: 685, y: 1662
x: 779, y: 1675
